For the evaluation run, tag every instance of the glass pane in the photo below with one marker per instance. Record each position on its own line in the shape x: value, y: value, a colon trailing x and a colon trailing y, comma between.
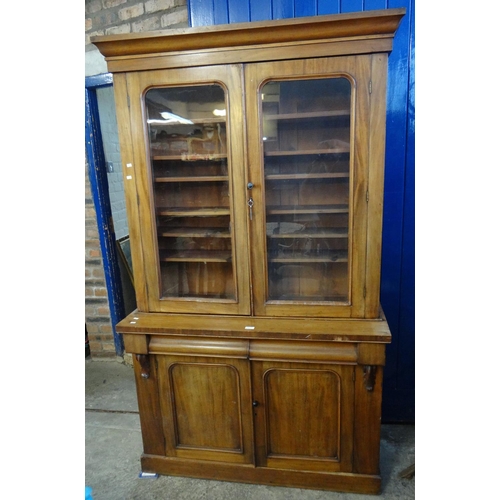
x: 306, y: 137
x: 187, y: 133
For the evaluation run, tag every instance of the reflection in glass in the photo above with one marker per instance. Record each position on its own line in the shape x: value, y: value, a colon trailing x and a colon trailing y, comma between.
x: 188, y: 152
x: 306, y: 138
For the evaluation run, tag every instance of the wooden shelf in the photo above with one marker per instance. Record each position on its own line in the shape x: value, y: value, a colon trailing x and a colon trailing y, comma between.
x: 192, y: 212
x: 316, y: 233
x: 313, y: 298
x: 302, y: 152
x: 313, y: 257
x: 190, y: 157
x: 204, y: 178
x: 195, y: 121
x: 195, y: 256
x: 308, y: 209
x: 279, y: 177
x: 194, y: 232
x: 312, y: 114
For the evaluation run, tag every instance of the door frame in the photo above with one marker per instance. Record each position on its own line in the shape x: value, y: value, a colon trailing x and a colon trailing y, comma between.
x: 100, y: 194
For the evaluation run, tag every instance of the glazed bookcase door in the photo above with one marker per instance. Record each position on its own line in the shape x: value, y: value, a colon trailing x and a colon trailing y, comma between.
x: 306, y: 123
x: 189, y: 180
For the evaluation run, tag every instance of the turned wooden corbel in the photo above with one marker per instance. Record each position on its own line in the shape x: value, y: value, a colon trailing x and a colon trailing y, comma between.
x: 369, y: 373
x: 144, y: 361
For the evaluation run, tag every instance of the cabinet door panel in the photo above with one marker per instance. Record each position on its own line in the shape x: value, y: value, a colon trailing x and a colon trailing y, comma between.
x: 205, y: 405
x: 189, y: 166
x: 308, y: 123
x: 304, y: 415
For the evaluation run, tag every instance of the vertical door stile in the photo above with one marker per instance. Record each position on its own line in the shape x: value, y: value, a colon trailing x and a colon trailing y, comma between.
x: 239, y: 166
x: 360, y: 69
x: 131, y: 168
x: 247, y: 176
x: 378, y: 81
x: 143, y: 186
x: 257, y: 240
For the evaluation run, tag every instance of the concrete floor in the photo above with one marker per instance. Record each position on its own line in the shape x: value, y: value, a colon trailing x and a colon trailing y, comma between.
x: 113, y: 447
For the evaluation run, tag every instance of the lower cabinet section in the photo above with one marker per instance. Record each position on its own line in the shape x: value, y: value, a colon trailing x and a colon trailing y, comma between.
x: 271, y: 412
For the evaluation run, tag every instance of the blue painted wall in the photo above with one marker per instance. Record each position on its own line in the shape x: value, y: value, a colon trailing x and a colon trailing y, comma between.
x: 398, y: 239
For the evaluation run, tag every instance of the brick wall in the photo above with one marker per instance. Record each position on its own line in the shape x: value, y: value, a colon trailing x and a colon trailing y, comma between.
x: 110, y: 17
x: 104, y: 17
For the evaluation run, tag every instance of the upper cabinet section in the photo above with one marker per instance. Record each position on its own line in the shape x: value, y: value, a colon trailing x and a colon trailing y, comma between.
x: 254, y: 159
